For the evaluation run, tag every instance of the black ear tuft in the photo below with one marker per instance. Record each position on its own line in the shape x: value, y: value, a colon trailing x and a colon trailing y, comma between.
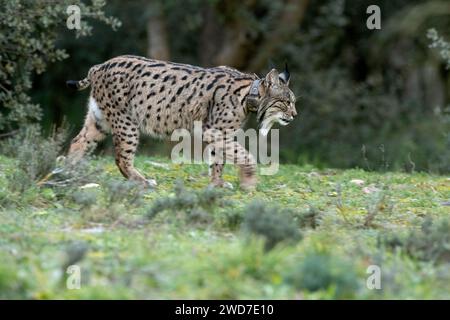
x: 285, y: 75
x: 72, y: 84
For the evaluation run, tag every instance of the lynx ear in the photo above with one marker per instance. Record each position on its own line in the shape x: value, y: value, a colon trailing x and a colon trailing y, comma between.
x: 285, y: 75
x: 273, y: 77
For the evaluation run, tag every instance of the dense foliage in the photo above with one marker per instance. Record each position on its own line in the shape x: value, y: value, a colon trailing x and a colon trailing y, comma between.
x: 29, y: 31
x: 376, y: 99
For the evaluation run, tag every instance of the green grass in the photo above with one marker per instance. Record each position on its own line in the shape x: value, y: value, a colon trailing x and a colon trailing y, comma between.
x: 178, y: 255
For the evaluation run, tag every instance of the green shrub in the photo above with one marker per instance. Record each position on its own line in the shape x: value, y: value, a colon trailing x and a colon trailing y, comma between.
x: 28, y: 34
x: 275, y: 225
x: 430, y: 243
x: 309, y: 218
x: 354, y: 96
x: 439, y: 43
x: 35, y: 156
x: 85, y: 198
x: 321, y: 271
x: 124, y: 191
x: 38, y: 162
x: 197, y: 206
x: 12, y: 285
x: 233, y: 218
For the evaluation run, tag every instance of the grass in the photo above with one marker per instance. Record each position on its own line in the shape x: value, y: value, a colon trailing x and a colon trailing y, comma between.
x: 126, y: 248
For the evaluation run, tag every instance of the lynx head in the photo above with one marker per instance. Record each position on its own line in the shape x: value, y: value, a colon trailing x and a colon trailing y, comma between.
x: 277, y: 104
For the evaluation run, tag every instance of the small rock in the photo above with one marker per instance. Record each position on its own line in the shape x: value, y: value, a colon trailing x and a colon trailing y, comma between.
x: 358, y: 182
x: 90, y: 185
x: 313, y: 174
x: 228, y: 185
x: 93, y: 230
x: 158, y: 165
x: 370, y: 189
x: 152, y: 183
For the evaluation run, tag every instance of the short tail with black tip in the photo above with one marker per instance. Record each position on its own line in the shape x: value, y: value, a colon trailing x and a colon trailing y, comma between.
x: 78, y: 85
x: 84, y: 83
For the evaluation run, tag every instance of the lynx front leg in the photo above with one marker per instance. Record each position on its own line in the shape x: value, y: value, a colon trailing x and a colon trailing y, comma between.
x: 239, y: 156
x: 231, y: 151
x: 215, y: 169
x: 245, y: 161
x: 216, y: 175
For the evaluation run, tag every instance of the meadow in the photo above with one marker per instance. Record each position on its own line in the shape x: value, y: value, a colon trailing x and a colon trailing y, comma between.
x: 304, y: 233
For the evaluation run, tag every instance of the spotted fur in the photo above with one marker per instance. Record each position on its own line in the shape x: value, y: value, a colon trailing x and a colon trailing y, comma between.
x: 132, y: 95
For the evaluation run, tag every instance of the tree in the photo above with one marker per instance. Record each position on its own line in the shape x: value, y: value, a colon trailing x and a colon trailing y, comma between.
x: 28, y: 36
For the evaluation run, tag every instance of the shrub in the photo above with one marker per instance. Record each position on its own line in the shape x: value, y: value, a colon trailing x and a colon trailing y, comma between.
x: 439, y: 43
x: 309, y: 218
x: 275, y: 225
x: 321, y: 271
x: 39, y: 164
x: 196, y: 205
x: 430, y: 243
x: 85, y: 198
x: 233, y: 218
x: 12, y: 285
x: 28, y: 33
x: 35, y: 156
x: 128, y: 191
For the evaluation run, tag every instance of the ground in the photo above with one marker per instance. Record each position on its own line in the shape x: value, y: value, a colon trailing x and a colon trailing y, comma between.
x: 127, y: 246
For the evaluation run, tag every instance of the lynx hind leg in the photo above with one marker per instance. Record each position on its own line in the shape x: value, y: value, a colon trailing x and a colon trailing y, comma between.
x: 94, y: 130
x: 125, y: 146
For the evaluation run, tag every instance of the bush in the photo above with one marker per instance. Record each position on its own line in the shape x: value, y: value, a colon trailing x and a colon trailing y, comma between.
x: 28, y: 33
x: 355, y: 95
x: 430, y: 243
x: 119, y: 191
x: 35, y: 156
x: 321, y: 271
x: 39, y: 164
x: 197, y: 206
x: 12, y: 285
x: 309, y: 218
x: 275, y: 225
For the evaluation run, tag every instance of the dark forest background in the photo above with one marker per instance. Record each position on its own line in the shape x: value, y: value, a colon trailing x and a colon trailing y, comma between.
x: 375, y: 99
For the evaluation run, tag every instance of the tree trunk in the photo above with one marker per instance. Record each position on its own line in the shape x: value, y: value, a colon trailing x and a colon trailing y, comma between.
x: 290, y: 18
x: 211, y: 36
x: 238, y: 38
x: 157, y: 35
